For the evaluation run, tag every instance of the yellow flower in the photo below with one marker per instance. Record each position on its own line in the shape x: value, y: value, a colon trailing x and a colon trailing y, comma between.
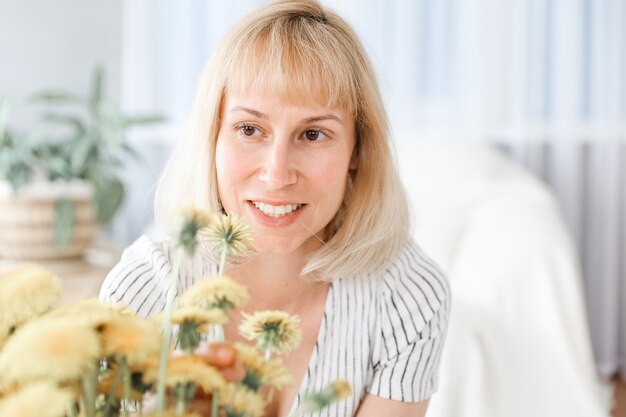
x: 194, y: 321
x: 274, y: 330
x: 55, y: 350
x: 189, y: 368
x: 261, y: 372
x: 131, y: 337
x: 90, y: 312
x: 239, y: 400
x: 25, y: 292
x: 215, y: 292
x: 342, y: 389
x: 107, y: 381
x: 41, y: 399
x: 199, y: 316
x: 172, y: 413
x: 336, y: 391
x: 227, y: 232
x: 193, y: 221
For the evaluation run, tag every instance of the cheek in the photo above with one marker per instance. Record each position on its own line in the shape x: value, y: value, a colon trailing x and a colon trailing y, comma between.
x: 331, y: 180
x: 229, y: 168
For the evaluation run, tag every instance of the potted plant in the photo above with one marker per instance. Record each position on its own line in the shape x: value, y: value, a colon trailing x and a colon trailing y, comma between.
x: 60, y: 182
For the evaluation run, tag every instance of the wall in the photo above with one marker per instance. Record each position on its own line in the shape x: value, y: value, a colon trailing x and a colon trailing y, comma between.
x: 45, y: 44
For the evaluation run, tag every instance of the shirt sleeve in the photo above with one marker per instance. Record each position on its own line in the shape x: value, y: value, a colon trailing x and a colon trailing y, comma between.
x: 413, y: 311
x: 141, y: 279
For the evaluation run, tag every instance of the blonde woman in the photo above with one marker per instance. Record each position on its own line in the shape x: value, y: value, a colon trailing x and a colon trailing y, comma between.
x: 288, y: 131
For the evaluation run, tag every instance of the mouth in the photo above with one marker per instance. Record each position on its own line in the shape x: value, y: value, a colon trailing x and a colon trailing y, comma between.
x: 276, y: 210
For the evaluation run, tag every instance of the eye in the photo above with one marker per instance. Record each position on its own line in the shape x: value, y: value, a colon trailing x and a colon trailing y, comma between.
x: 248, y: 130
x: 314, y: 135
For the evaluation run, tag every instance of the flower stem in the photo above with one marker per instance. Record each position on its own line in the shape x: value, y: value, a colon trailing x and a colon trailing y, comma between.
x: 167, y: 331
x: 215, y: 404
x: 223, y: 260
x: 218, y: 335
x: 126, y: 376
x: 108, y: 406
x: 89, y: 381
x: 180, y: 405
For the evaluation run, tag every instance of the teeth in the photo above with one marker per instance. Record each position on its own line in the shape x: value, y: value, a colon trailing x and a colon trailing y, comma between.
x: 276, y: 211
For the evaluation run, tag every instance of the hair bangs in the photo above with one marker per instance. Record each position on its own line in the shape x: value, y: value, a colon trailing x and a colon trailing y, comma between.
x: 299, y: 69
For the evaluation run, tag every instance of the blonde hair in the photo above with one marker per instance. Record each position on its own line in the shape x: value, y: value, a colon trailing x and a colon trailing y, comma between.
x: 301, y: 52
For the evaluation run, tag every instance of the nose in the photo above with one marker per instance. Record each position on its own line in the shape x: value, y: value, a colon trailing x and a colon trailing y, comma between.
x: 278, y: 170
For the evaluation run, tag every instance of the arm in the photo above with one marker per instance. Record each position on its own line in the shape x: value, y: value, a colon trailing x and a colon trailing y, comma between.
x: 373, y: 406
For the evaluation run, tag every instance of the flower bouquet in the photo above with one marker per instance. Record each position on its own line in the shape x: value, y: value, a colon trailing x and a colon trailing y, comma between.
x: 91, y: 359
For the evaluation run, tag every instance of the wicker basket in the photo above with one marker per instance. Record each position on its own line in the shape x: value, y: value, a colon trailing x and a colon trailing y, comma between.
x: 27, y: 228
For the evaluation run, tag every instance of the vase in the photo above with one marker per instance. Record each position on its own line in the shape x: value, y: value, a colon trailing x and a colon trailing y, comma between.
x: 27, y: 220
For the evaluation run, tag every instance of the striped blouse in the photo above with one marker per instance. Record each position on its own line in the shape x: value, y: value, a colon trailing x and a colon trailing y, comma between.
x: 383, y: 333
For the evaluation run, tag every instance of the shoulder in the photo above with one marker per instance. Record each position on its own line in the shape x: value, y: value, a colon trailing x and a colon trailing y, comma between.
x: 411, y: 316
x: 413, y: 284
x: 143, y: 269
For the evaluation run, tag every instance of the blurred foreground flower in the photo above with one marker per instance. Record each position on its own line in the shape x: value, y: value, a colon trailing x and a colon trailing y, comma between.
x: 41, y: 399
x: 227, y: 234
x: 130, y: 338
x: 216, y: 292
x: 25, y: 292
x: 260, y: 372
x: 336, y: 391
x: 274, y: 331
x: 57, y: 350
x: 193, y: 221
x: 239, y: 401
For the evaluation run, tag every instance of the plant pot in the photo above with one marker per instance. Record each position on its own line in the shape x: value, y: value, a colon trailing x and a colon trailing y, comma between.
x: 27, y: 219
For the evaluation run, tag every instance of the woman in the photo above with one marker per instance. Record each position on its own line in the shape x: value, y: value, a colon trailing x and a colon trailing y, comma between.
x: 288, y: 131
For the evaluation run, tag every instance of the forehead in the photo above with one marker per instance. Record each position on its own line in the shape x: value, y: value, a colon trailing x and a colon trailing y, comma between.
x: 292, y: 73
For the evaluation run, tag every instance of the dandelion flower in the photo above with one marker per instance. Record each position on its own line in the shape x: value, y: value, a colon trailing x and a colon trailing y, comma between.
x: 25, y: 292
x: 336, y: 391
x: 261, y: 372
x: 227, y: 232
x: 215, y: 292
x: 189, y: 368
x: 342, y: 389
x: 90, y: 312
x: 239, y: 401
x: 41, y: 399
x: 193, y: 221
x: 192, y: 322
x: 199, y: 316
x: 130, y: 337
x: 274, y: 331
x: 172, y: 413
x: 55, y: 350
x: 107, y: 382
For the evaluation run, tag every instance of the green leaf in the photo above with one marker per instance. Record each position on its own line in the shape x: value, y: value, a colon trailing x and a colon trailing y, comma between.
x: 81, y: 154
x: 75, y: 121
x: 108, y: 197
x: 97, y: 87
x: 5, y: 110
x: 64, y: 221
x: 18, y: 174
x: 143, y: 119
x: 57, y: 97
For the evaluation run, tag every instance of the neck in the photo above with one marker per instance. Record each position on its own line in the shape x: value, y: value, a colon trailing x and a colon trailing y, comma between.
x: 274, y: 282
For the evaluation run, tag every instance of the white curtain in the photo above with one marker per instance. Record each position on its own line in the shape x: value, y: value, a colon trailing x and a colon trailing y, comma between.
x: 544, y: 80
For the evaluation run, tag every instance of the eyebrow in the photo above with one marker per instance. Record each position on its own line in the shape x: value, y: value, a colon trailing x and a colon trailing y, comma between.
x: 261, y: 115
x: 253, y: 112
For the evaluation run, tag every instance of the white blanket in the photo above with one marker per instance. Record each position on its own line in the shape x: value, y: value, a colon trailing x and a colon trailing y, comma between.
x: 518, y: 341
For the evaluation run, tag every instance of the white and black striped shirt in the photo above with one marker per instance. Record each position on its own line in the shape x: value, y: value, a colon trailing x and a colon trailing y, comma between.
x: 383, y: 333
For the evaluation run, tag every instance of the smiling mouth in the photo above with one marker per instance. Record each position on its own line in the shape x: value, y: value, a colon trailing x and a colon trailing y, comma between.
x: 276, y: 211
